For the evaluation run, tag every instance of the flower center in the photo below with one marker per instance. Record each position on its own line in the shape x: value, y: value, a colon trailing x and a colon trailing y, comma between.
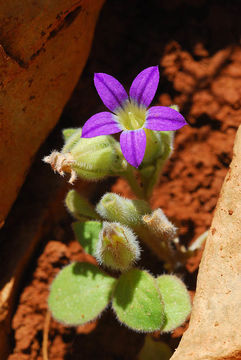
x: 132, y: 116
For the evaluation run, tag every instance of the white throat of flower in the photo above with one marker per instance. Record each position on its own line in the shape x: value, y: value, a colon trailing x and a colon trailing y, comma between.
x: 132, y: 116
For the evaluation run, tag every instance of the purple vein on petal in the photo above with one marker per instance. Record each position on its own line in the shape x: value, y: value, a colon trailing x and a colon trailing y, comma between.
x: 144, y: 86
x: 110, y: 90
x: 133, y: 145
x: 102, y: 123
x: 163, y: 118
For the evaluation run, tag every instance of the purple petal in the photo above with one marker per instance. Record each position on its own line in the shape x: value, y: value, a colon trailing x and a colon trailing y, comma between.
x: 133, y: 145
x: 144, y: 86
x: 163, y: 118
x: 111, y: 92
x: 103, y: 123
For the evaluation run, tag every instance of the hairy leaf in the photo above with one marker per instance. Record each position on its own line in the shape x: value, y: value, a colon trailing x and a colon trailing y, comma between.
x: 79, y: 293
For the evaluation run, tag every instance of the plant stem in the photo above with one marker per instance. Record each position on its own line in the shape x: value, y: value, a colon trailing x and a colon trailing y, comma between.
x: 156, y: 176
x: 46, y: 335
x: 135, y: 186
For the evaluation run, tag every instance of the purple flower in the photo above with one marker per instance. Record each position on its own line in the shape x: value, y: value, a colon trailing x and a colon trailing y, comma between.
x: 130, y: 114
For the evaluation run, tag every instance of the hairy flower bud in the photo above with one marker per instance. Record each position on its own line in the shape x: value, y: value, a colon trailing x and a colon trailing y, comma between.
x: 79, y: 206
x: 117, y: 208
x: 117, y: 247
x: 91, y: 159
x: 159, y: 224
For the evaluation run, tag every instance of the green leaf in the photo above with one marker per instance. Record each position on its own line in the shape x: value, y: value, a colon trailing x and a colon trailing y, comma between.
x: 79, y: 293
x: 176, y: 301
x: 154, y: 350
x: 137, y: 301
x: 87, y: 234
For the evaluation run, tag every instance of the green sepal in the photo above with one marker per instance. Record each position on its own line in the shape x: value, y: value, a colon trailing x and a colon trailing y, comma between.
x: 137, y: 301
x: 146, y: 172
x: 154, y: 350
x: 153, y: 147
x: 67, y: 133
x: 79, y: 293
x: 114, y: 207
x: 150, y: 172
x: 176, y: 301
x: 93, y: 158
x: 175, y: 107
x: 87, y: 234
x: 79, y: 206
x: 71, y: 137
x: 117, y: 247
x: 167, y: 140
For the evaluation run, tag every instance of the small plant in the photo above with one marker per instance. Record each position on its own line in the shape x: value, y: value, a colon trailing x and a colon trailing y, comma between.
x: 111, y: 230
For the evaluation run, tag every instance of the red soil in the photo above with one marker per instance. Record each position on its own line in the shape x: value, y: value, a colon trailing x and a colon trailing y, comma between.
x: 201, y: 72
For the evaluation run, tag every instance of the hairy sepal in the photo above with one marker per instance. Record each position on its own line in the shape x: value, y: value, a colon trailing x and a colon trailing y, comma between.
x: 90, y: 159
x: 113, y: 207
x: 118, y: 247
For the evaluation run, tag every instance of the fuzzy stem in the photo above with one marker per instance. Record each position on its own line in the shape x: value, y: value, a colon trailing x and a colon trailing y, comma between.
x: 45, y: 335
x: 154, y: 179
x: 168, y: 250
x: 132, y: 181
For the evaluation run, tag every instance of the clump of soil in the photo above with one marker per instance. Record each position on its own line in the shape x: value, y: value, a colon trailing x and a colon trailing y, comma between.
x: 200, y: 71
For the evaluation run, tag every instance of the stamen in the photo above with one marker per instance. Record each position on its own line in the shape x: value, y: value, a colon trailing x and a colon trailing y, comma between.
x: 134, y: 121
x: 131, y: 117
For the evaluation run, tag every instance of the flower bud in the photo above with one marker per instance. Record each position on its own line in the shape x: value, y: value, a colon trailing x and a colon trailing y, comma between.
x: 117, y: 247
x: 117, y: 208
x: 91, y: 159
x: 159, y: 225
x: 79, y: 206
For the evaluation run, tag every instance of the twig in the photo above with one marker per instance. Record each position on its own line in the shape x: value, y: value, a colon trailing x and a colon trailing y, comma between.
x: 46, y: 335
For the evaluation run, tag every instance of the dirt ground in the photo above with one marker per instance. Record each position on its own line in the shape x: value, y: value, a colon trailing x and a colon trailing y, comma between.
x: 196, y: 45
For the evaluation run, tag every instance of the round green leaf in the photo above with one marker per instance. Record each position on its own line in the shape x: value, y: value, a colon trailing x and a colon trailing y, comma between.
x: 154, y: 350
x: 137, y: 301
x: 87, y: 234
x: 79, y: 293
x: 176, y: 301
